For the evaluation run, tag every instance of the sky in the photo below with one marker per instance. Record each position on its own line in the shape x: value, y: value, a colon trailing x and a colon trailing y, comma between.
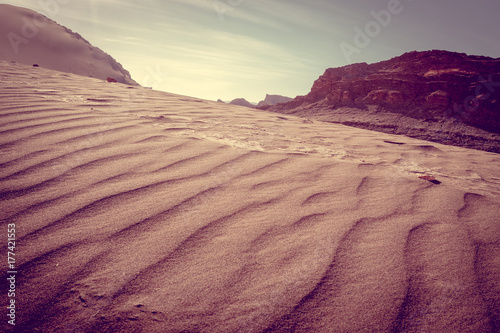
x: 226, y: 49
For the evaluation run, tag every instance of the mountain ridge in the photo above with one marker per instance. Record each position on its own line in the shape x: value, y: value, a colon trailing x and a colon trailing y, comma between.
x: 31, y: 38
x: 453, y: 90
x: 270, y: 100
x: 273, y: 100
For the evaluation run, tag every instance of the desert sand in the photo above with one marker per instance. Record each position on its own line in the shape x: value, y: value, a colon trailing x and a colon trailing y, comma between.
x: 144, y: 211
x: 30, y: 38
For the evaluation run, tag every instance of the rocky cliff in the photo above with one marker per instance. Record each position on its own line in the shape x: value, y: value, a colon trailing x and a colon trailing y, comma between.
x: 273, y: 100
x: 270, y: 100
x: 441, y: 91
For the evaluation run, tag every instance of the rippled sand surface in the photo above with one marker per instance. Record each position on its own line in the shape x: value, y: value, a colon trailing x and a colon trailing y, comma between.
x: 143, y: 211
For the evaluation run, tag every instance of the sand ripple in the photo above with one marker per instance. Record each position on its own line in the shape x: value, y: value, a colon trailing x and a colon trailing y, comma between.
x: 141, y: 211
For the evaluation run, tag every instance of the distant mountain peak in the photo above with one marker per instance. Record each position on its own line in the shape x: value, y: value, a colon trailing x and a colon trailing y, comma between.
x: 273, y: 100
x: 242, y: 102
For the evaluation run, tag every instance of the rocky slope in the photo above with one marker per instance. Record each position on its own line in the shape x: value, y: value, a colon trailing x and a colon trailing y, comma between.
x: 30, y: 38
x: 440, y: 96
x: 270, y: 100
x: 273, y: 100
x: 242, y: 102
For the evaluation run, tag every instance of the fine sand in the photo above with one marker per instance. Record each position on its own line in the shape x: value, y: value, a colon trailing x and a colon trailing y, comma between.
x: 30, y: 38
x: 143, y: 211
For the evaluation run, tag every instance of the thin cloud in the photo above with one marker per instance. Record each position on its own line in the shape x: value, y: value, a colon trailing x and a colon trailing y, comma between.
x: 222, y: 10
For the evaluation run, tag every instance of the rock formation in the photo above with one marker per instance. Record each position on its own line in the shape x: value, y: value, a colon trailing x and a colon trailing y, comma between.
x: 273, y: 100
x: 242, y: 102
x: 270, y: 100
x: 31, y: 38
x: 441, y: 87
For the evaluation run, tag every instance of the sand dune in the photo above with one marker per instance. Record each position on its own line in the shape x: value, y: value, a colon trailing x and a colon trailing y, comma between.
x: 30, y: 38
x: 143, y: 211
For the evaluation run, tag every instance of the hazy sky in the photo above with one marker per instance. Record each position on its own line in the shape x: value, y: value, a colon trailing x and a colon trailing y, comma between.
x: 246, y: 48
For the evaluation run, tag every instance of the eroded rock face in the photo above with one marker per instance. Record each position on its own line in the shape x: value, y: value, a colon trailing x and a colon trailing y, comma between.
x: 395, y: 98
x: 436, y: 84
x: 273, y: 100
x: 438, y: 99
